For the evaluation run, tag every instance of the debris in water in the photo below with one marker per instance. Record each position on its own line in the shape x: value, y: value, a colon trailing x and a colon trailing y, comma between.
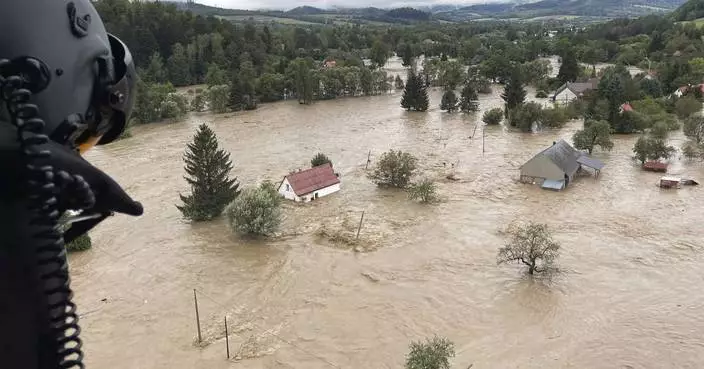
x: 370, y: 276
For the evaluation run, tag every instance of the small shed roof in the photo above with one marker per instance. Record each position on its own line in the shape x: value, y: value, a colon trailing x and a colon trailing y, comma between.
x: 552, y: 184
x: 313, y: 179
x: 655, y: 165
x: 590, y: 162
x: 670, y: 179
x: 626, y: 107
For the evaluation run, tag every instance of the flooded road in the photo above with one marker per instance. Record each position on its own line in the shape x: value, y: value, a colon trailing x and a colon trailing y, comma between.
x: 630, y: 294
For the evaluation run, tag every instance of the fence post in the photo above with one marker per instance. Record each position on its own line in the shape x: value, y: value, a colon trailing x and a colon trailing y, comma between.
x: 368, y: 159
x: 195, y: 300
x: 360, y: 224
x: 227, y: 339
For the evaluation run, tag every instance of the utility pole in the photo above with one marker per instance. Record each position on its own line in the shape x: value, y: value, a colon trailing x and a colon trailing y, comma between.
x: 195, y: 300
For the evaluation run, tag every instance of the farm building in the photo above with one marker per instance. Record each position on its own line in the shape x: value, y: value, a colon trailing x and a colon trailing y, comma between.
x: 555, y: 167
x: 310, y: 184
x: 655, y: 166
x: 573, y: 90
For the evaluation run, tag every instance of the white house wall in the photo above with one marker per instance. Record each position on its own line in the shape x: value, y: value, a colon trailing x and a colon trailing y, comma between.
x: 287, y: 191
x: 542, y: 167
x: 565, y: 96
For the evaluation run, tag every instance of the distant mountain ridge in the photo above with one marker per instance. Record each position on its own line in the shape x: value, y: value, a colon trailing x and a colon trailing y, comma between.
x: 456, y: 13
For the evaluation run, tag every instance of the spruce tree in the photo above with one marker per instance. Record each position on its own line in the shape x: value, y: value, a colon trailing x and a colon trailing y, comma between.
x: 449, y: 101
x: 208, y: 168
x: 469, y: 101
x: 569, y: 69
x: 410, y: 92
x: 398, y: 82
x: 514, y: 94
x: 415, y: 95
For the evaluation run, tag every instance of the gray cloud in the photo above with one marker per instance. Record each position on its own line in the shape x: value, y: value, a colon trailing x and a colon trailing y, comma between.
x: 289, y: 4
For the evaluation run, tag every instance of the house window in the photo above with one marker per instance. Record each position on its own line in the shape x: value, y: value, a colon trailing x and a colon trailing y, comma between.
x: 288, y: 187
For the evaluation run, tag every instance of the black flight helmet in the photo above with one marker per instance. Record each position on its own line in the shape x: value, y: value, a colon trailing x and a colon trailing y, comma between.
x: 81, y: 78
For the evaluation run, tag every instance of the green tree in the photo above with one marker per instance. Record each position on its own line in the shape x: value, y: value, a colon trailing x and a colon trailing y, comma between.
x: 320, y: 159
x: 652, y: 148
x: 198, y: 102
x: 366, y: 80
x: 690, y: 150
x: 394, y: 169
x: 398, y: 83
x: 525, y: 116
x: 174, y: 106
x: 207, y: 168
x: 651, y: 87
x: 595, y: 133
x: 156, y: 71
x: 215, y: 75
x: 693, y: 128
x: 432, y: 354
x: 569, y: 69
x: 686, y: 106
x: 514, y: 94
x: 425, y: 191
x: 451, y: 74
x: 304, y: 81
x: 415, y: 95
x: 218, y: 98
x: 469, y: 101
x: 407, y: 55
x: 449, y: 101
x: 256, y: 211
x: 530, y: 244
x: 178, y: 66
x: 555, y: 117
x: 493, y: 116
x: 379, y: 53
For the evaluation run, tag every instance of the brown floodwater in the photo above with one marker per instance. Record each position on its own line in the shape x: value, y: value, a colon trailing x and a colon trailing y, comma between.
x: 629, y: 294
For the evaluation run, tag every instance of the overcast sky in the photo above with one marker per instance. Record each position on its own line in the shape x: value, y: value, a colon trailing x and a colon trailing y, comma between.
x: 289, y: 4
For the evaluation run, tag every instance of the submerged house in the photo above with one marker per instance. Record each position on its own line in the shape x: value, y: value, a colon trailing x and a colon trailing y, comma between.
x: 573, y: 90
x: 555, y: 167
x: 310, y: 184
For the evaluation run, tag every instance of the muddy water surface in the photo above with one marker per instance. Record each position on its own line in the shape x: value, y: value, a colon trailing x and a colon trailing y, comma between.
x: 630, y: 294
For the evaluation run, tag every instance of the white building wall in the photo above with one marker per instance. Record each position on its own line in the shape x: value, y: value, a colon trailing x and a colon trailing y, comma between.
x: 287, y: 191
x: 565, y: 96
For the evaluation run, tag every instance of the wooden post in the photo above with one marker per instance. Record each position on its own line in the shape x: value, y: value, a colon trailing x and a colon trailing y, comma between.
x: 227, y: 339
x: 360, y: 224
x: 482, y: 140
x: 368, y: 159
x: 195, y: 300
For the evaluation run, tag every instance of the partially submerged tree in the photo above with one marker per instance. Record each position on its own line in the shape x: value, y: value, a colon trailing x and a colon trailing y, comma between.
x: 256, y: 211
x: 493, y: 116
x: 525, y: 116
x: 208, y: 169
x: 425, y: 191
x: 693, y: 128
x: 434, y: 353
x: 81, y: 243
x: 449, y: 101
x: 394, y: 169
x: 415, y: 95
x: 218, y: 98
x: 686, y: 106
x: 595, y: 133
x: 469, y: 101
x: 319, y: 159
x: 514, y: 94
x: 652, y: 148
x: 530, y: 244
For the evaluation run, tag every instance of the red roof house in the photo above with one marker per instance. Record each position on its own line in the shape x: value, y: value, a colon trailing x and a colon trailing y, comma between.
x: 310, y: 184
x: 626, y: 107
x: 655, y: 166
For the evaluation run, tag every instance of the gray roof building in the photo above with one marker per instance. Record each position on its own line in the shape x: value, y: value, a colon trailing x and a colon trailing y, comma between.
x: 556, y: 164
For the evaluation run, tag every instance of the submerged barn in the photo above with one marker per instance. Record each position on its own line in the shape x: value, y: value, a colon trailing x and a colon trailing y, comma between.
x: 555, y: 167
x: 310, y: 184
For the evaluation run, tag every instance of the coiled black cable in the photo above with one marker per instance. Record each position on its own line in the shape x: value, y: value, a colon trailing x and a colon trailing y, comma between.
x: 44, y: 184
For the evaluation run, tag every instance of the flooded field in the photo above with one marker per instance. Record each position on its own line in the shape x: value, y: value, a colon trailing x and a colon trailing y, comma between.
x: 629, y: 295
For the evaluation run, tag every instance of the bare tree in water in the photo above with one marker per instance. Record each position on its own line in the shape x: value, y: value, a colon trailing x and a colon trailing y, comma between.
x: 530, y: 244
